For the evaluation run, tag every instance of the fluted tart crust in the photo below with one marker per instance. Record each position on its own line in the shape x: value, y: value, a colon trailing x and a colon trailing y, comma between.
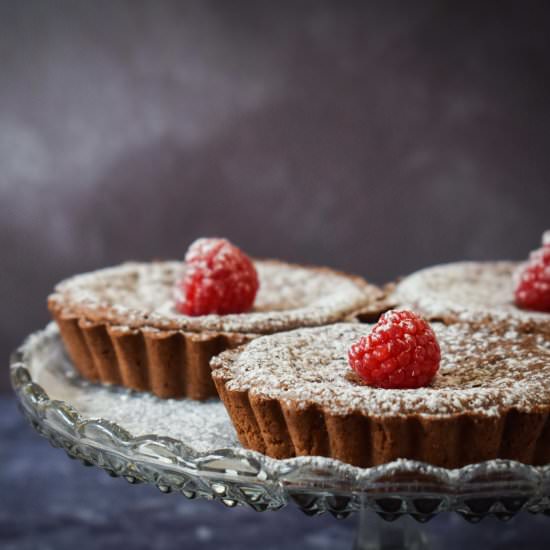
x: 119, y: 325
x: 293, y: 394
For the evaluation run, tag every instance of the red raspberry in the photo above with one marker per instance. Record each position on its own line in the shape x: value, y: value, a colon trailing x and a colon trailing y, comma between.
x: 401, y: 351
x: 218, y: 278
x: 533, y: 284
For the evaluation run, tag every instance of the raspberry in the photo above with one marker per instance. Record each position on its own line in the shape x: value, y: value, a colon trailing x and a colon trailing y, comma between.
x: 218, y: 278
x: 401, y: 351
x: 533, y: 280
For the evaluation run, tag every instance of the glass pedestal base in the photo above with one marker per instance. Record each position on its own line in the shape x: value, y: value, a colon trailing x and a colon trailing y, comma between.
x: 375, y: 533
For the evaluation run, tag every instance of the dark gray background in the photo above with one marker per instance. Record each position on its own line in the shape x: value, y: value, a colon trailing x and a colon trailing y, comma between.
x: 372, y: 138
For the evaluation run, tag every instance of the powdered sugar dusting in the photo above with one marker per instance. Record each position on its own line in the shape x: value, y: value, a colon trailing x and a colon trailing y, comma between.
x: 142, y: 294
x: 483, y: 371
x: 465, y: 289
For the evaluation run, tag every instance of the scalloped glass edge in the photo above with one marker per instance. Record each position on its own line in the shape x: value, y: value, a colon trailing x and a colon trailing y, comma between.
x: 239, y: 476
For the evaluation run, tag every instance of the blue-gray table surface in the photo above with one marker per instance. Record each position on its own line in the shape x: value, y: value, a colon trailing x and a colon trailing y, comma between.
x: 50, y: 502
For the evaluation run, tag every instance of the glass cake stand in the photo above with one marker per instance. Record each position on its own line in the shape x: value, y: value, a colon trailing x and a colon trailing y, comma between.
x: 190, y: 447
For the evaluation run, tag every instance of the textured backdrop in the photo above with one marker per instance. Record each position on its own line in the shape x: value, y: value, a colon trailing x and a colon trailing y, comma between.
x: 373, y: 138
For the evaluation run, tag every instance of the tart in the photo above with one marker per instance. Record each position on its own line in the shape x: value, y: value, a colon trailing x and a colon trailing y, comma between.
x: 293, y: 393
x: 120, y: 324
x: 467, y: 291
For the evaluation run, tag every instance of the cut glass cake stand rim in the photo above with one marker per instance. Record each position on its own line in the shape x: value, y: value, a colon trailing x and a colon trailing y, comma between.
x: 238, y: 476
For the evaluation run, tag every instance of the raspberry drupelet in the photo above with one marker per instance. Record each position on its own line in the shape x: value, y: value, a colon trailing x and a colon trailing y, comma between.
x: 533, y: 285
x: 401, y: 351
x: 218, y: 278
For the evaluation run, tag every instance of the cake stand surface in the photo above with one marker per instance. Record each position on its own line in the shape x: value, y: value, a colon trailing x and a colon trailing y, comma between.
x: 191, y: 448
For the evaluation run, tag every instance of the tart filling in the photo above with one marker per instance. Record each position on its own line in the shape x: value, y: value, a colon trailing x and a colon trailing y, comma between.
x: 142, y: 295
x: 468, y: 290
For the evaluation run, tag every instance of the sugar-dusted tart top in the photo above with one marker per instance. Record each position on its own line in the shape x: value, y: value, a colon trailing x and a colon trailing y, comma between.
x: 142, y: 295
x: 483, y: 371
x: 468, y: 290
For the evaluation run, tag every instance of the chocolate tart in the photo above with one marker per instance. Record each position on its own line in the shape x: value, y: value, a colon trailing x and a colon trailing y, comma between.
x: 471, y: 291
x: 119, y: 325
x: 293, y: 393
